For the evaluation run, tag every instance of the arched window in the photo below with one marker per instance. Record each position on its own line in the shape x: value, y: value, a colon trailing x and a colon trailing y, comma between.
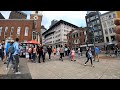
x: 0, y: 30
x: 18, y: 31
x: 12, y: 30
x: 26, y: 31
x: 6, y: 30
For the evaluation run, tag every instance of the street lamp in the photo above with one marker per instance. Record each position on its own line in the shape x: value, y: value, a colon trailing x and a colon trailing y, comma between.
x: 92, y: 29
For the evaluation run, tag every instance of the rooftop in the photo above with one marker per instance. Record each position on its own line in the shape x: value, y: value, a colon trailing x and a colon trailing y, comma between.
x: 58, y: 23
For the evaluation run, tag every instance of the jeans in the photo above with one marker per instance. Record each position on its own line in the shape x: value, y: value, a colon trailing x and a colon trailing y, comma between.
x: 1, y: 54
x: 34, y: 56
x: 10, y: 59
x: 16, y: 58
x: 30, y: 56
x: 61, y: 55
x: 89, y: 58
x: 41, y: 54
x: 49, y: 55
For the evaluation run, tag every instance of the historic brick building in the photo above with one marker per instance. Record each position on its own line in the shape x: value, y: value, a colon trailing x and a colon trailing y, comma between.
x: 76, y: 38
x: 24, y: 29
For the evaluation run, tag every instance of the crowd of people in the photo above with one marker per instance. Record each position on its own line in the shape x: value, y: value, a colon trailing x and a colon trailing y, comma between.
x: 11, y: 52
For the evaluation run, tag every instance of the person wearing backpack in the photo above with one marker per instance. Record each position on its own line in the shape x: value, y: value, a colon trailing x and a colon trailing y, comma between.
x: 10, y: 51
x: 89, y: 57
x: 16, y: 55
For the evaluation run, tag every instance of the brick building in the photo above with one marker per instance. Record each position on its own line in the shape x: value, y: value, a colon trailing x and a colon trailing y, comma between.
x: 24, y: 29
x: 76, y: 38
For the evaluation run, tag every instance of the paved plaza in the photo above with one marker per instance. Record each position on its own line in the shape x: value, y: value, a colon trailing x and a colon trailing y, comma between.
x: 107, y: 68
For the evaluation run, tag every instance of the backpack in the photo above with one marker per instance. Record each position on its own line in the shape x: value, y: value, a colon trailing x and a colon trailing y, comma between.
x: 12, y: 49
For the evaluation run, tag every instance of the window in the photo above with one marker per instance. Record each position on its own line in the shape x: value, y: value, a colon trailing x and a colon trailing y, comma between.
x: 109, y: 16
x: 96, y: 16
x: 65, y: 34
x: 107, y: 39
x: 98, y: 21
x: 0, y: 31
x: 6, y: 30
x: 99, y: 27
x: 26, y: 31
x: 110, y: 30
x: 76, y: 34
x: 114, y: 15
x: 113, y: 29
x: 88, y: 20
x: 103, y: 18
x: 95, y: 33
x: 104, y: 24
x: 113, y: 38
x: 100, y: 32
x: 106, y: 31
x: 18, y: 31
x: 112, y: 22
x: 65, y: 39
x: 80, y: 33
x: 109, y: 23
x: 12, y: 30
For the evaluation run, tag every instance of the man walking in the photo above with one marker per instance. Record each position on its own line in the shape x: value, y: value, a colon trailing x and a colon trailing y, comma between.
x: 97, y: 51
x: 49, y: 49
x: 16, y: 55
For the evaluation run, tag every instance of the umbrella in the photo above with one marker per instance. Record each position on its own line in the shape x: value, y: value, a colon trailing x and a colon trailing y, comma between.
x: 33, y: 42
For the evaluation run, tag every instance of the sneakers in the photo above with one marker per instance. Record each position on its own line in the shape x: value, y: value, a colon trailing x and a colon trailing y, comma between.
x: 84, y: 64
x: 6, y: 68
x: 92, y: 65
x: 18, y: 73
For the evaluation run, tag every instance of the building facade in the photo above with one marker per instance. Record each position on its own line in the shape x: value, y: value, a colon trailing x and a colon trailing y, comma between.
x: 108, y: 25
x: 94, y: 28
x: 57, y: 34
x: 17, y: 15
x: 76, y: 38
x: 24, y: 29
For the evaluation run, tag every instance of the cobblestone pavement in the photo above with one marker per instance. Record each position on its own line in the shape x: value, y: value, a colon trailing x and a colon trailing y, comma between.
x: 56, y: 69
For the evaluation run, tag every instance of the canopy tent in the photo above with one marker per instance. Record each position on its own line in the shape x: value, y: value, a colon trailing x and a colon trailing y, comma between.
x: 33, y: 42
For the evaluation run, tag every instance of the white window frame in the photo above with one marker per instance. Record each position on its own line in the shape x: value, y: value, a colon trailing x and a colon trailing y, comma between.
x: 0, y: 31
x: 26, y: 31
x: 6, y: 30
x: 12, y: 30
x: 18, y: 31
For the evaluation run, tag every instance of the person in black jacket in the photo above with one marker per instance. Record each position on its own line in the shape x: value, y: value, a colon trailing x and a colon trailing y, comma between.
x: 40, y: 52
x: 49, y: 49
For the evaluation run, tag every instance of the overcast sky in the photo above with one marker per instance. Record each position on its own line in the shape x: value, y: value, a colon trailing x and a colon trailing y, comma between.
x: 74, y: 17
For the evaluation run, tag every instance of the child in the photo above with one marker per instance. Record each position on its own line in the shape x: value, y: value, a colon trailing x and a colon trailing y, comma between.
x: 73, y: 55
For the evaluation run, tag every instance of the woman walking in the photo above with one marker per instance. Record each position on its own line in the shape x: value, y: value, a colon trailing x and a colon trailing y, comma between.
x: 34, y: 54
x: 73, y: 55
x: 54, y: 51
x: 89, y: 57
